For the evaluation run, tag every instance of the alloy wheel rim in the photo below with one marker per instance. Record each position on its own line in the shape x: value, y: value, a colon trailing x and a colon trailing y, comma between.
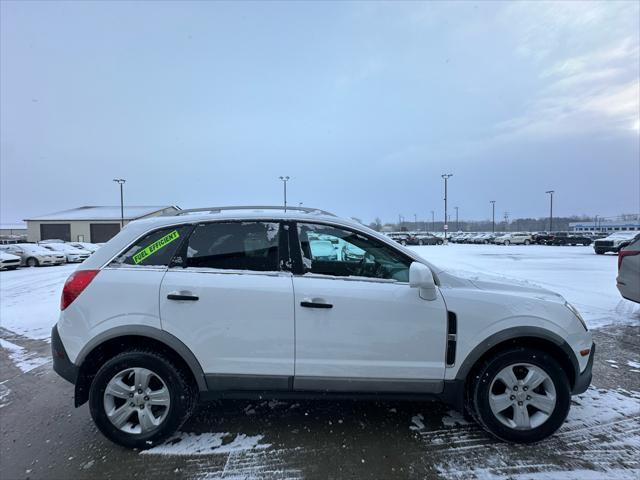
x: 522, y: 396
x: 136, y: 400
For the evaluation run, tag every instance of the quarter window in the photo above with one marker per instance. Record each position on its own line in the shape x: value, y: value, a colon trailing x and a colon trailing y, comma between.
x: 235, y: 246
x: 334, y: 251
x: 155, y: 249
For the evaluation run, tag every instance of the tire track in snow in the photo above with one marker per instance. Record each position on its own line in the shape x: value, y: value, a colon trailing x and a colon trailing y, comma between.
x: 602, y: 433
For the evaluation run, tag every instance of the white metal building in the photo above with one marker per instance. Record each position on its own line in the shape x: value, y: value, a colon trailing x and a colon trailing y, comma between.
x: 94, y: 224
x: 606, y: 226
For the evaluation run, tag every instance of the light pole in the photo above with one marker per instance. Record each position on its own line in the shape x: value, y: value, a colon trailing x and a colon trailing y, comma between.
x: 284, y: 181
x: 457, y: 229
x: 493, y: 216
x: 433, y: 221
x: 445, y: 227
x: 415, y: 221
x: 551, y: 192
x: 595, y: 223
x: 121, y: 181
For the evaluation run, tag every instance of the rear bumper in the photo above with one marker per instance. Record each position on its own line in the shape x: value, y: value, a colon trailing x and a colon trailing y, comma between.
x: 61, y: 363
x: 583, y: 380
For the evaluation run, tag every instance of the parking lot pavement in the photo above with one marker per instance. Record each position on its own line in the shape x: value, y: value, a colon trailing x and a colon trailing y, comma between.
x: 44, y: 437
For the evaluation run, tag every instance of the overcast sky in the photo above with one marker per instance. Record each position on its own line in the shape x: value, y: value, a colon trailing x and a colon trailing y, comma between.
x: 364, y: 105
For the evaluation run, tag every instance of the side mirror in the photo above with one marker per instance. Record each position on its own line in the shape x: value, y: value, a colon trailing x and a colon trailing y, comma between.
x: 420, y: 276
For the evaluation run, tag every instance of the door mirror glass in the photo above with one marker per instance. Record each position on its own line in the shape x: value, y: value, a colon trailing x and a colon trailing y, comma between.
x: 420, y: 276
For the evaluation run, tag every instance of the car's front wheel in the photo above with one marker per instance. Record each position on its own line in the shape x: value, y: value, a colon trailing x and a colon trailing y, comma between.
x: 139, y: 398
x: 520, y: 395
x: 32, y: 262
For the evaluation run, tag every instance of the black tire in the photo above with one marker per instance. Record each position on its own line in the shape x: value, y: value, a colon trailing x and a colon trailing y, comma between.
x: 32, y: 262
x: 507, y: 243
x: 527, y: 242
x: 440, y: 242
x: 183, y: 394
x: 478, y: 398
x: 599, y: 252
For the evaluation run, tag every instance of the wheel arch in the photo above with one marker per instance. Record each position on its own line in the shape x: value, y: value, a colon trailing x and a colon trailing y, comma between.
x: 533, y: 337
x: 118, y: 339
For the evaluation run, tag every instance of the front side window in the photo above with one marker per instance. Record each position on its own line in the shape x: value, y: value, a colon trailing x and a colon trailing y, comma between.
x: 328, y: 250
x: 155, y: 249
x: 235, y: 246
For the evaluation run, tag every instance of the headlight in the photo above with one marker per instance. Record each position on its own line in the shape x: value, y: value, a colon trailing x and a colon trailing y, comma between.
x: 575, y: 311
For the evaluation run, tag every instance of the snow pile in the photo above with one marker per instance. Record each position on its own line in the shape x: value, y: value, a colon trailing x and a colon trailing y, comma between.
x: 30, y: 299
x: 21, y: 357
x: 208, y: 444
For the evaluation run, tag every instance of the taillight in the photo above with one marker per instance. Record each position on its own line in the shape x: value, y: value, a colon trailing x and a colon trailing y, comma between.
x: 75, y: 285
x: 626, y: 253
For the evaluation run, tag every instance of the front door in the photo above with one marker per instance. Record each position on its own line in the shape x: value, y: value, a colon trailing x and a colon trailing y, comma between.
x: 359, y: 326
x: 227, y: 299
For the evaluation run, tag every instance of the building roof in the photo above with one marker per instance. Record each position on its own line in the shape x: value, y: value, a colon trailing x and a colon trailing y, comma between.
x: 101, y: 213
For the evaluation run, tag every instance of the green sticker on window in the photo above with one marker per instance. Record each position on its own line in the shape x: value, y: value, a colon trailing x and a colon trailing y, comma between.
x: 155, y: 246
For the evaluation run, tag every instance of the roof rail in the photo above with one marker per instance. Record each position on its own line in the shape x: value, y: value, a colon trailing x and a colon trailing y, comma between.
x: 254, y: 207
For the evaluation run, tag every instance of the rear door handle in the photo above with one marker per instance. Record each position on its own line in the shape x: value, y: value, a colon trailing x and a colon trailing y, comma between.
x: 308, y: 304
x: 182, y: 296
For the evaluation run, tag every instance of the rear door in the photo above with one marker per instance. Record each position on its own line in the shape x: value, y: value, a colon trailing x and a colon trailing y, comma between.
x: 228, y: 299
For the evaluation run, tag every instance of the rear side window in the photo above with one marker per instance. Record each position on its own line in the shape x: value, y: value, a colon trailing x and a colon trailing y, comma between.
x: 235, y: 246
x: 155, y: 249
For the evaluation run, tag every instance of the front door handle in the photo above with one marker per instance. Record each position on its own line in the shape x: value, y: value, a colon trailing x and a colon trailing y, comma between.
x: 308, y: 304
x: 183, y: 296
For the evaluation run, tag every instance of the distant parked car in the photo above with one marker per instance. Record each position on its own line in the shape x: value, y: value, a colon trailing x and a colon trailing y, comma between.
x: 31, y: 255
x: 569, y: 238
x: 483, y: 238
x: 514, y: 239
x: 613, y: 242
x: 401, y: 238
x: 628, y: 281
x: 73, y: 255
x: 426, y: 239
x: 91, y: 247
x: 541, y: 238
x: 9, y: 261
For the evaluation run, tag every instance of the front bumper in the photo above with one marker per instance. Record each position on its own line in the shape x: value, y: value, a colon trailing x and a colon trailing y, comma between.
x: 61, y: 363
x: 583, y: 380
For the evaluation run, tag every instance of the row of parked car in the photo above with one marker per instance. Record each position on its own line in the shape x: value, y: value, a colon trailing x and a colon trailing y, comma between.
x: 47, y: 252
x: 416, y: 238
x: 602, y: 242
x: 525, y: 238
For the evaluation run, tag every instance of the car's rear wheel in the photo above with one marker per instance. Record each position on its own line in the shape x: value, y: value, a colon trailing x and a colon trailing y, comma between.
x: 599, y: 252
x: 527, y: 242
x: 32, y: 262
x: 506, y: 243
x: 139, y: 398
x: 439, y: 242
x: 520, y: 395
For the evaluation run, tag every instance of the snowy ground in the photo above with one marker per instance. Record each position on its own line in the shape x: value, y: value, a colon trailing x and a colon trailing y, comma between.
x: 44, y: 437
x: 585, y: 279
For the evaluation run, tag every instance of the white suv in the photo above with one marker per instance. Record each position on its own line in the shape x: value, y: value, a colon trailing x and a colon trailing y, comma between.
x: 514, y: 239
x: 233, y: 302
